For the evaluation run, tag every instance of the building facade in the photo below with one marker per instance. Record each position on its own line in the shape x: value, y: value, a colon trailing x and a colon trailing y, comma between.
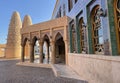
x: 93, y: 28
x: 93, y: 38
x: 83, y: 34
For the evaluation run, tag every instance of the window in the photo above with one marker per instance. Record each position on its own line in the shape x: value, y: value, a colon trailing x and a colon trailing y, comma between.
x: 97, y: 32
x: 76, y: 1
x: 73, y: 37
x: 83, y: 36
x: 59, y: 14
x: 70, y: 4
x: 64, y: 10
x: 117, y: 15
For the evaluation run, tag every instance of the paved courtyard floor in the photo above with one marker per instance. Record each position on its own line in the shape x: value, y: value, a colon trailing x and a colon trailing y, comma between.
x: 10, y: 73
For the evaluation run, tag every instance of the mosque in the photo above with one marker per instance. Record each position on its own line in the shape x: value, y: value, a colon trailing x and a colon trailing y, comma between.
x: 83, y: 34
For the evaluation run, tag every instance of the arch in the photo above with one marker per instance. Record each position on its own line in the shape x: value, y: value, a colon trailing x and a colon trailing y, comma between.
x: 46, y: 38
x: 97, y: 31
x: 59, y: 49
x: 35, y: 50
x: 26, y: 49
x: 25, y: 40
x: 34, y: 40
x: 56, y: 34
x: 117, y: 22
x: 46, y: 49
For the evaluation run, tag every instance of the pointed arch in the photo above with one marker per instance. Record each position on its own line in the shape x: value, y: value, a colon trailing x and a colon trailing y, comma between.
x: 97, y: 31
x: 83, y: 36
x: 117, y: 21
x: 59, y: 49
x: 58, y: 35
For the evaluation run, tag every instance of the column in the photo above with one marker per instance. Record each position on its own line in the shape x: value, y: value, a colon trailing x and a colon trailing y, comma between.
x: 52, y: 52
x: 22, y: 52
x: 66, y: 52
x: 113, y: 38
x: 47, y: 53
x: 66, y: 44
x: 41, y: 51
x: 31, y: 53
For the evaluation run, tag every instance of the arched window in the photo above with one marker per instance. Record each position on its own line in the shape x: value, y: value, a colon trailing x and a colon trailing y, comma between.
x: 76, y: 1
x: 117, y: 20
x: 73, y: 38
x: 70, y: 5
x: 97, y: 33
x: 83, y: 36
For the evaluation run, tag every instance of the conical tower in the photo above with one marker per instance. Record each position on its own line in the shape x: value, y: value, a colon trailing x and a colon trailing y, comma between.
x: 27, y: 21
x: 13, y: 47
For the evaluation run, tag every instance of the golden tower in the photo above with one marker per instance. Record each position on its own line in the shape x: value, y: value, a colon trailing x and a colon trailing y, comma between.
x: 13, y: 47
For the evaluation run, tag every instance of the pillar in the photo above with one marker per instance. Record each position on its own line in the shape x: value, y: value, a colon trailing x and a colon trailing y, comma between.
x: 31, y: 53
x: 47, y: 52
x: 66, y: 43
x: 52, y: 52
x: 66, y: 52
x: 112, y: 28
x: 41, y: 51
x: 22, y: 52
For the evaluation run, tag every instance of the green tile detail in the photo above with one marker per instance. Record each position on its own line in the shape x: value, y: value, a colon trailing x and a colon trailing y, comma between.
x: 89, y: 32
x: 70, y: 39
x: 78, y: 35
x: 112, y: 27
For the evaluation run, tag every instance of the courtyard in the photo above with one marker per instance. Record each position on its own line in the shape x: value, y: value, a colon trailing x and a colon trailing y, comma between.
x: 11, y: 73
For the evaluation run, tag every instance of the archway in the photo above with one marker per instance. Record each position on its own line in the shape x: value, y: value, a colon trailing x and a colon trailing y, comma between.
x: 36, y: 52
x: 59, y: 49
x: 46, y: 50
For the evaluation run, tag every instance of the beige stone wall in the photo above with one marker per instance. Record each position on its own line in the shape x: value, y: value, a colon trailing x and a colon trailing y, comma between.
x: 96, y: 68
x: 2, y: 50
x: 50, y: 28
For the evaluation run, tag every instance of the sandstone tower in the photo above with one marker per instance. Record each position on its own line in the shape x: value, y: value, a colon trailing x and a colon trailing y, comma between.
x: 27, y: 22
x: 13, y: 47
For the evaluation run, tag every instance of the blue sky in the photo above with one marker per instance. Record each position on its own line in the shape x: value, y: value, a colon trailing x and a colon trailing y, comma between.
x: 39, y: 10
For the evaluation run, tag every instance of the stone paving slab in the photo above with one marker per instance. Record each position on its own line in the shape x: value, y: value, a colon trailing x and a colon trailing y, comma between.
x: 10, y: 73
x: 65, y: 71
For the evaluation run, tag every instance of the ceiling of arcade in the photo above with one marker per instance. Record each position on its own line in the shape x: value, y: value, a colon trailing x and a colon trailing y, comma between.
x: 49, y: 28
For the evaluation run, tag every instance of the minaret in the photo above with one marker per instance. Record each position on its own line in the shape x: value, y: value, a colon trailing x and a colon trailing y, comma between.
x: 13, y: 47
x: 27, y: 21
